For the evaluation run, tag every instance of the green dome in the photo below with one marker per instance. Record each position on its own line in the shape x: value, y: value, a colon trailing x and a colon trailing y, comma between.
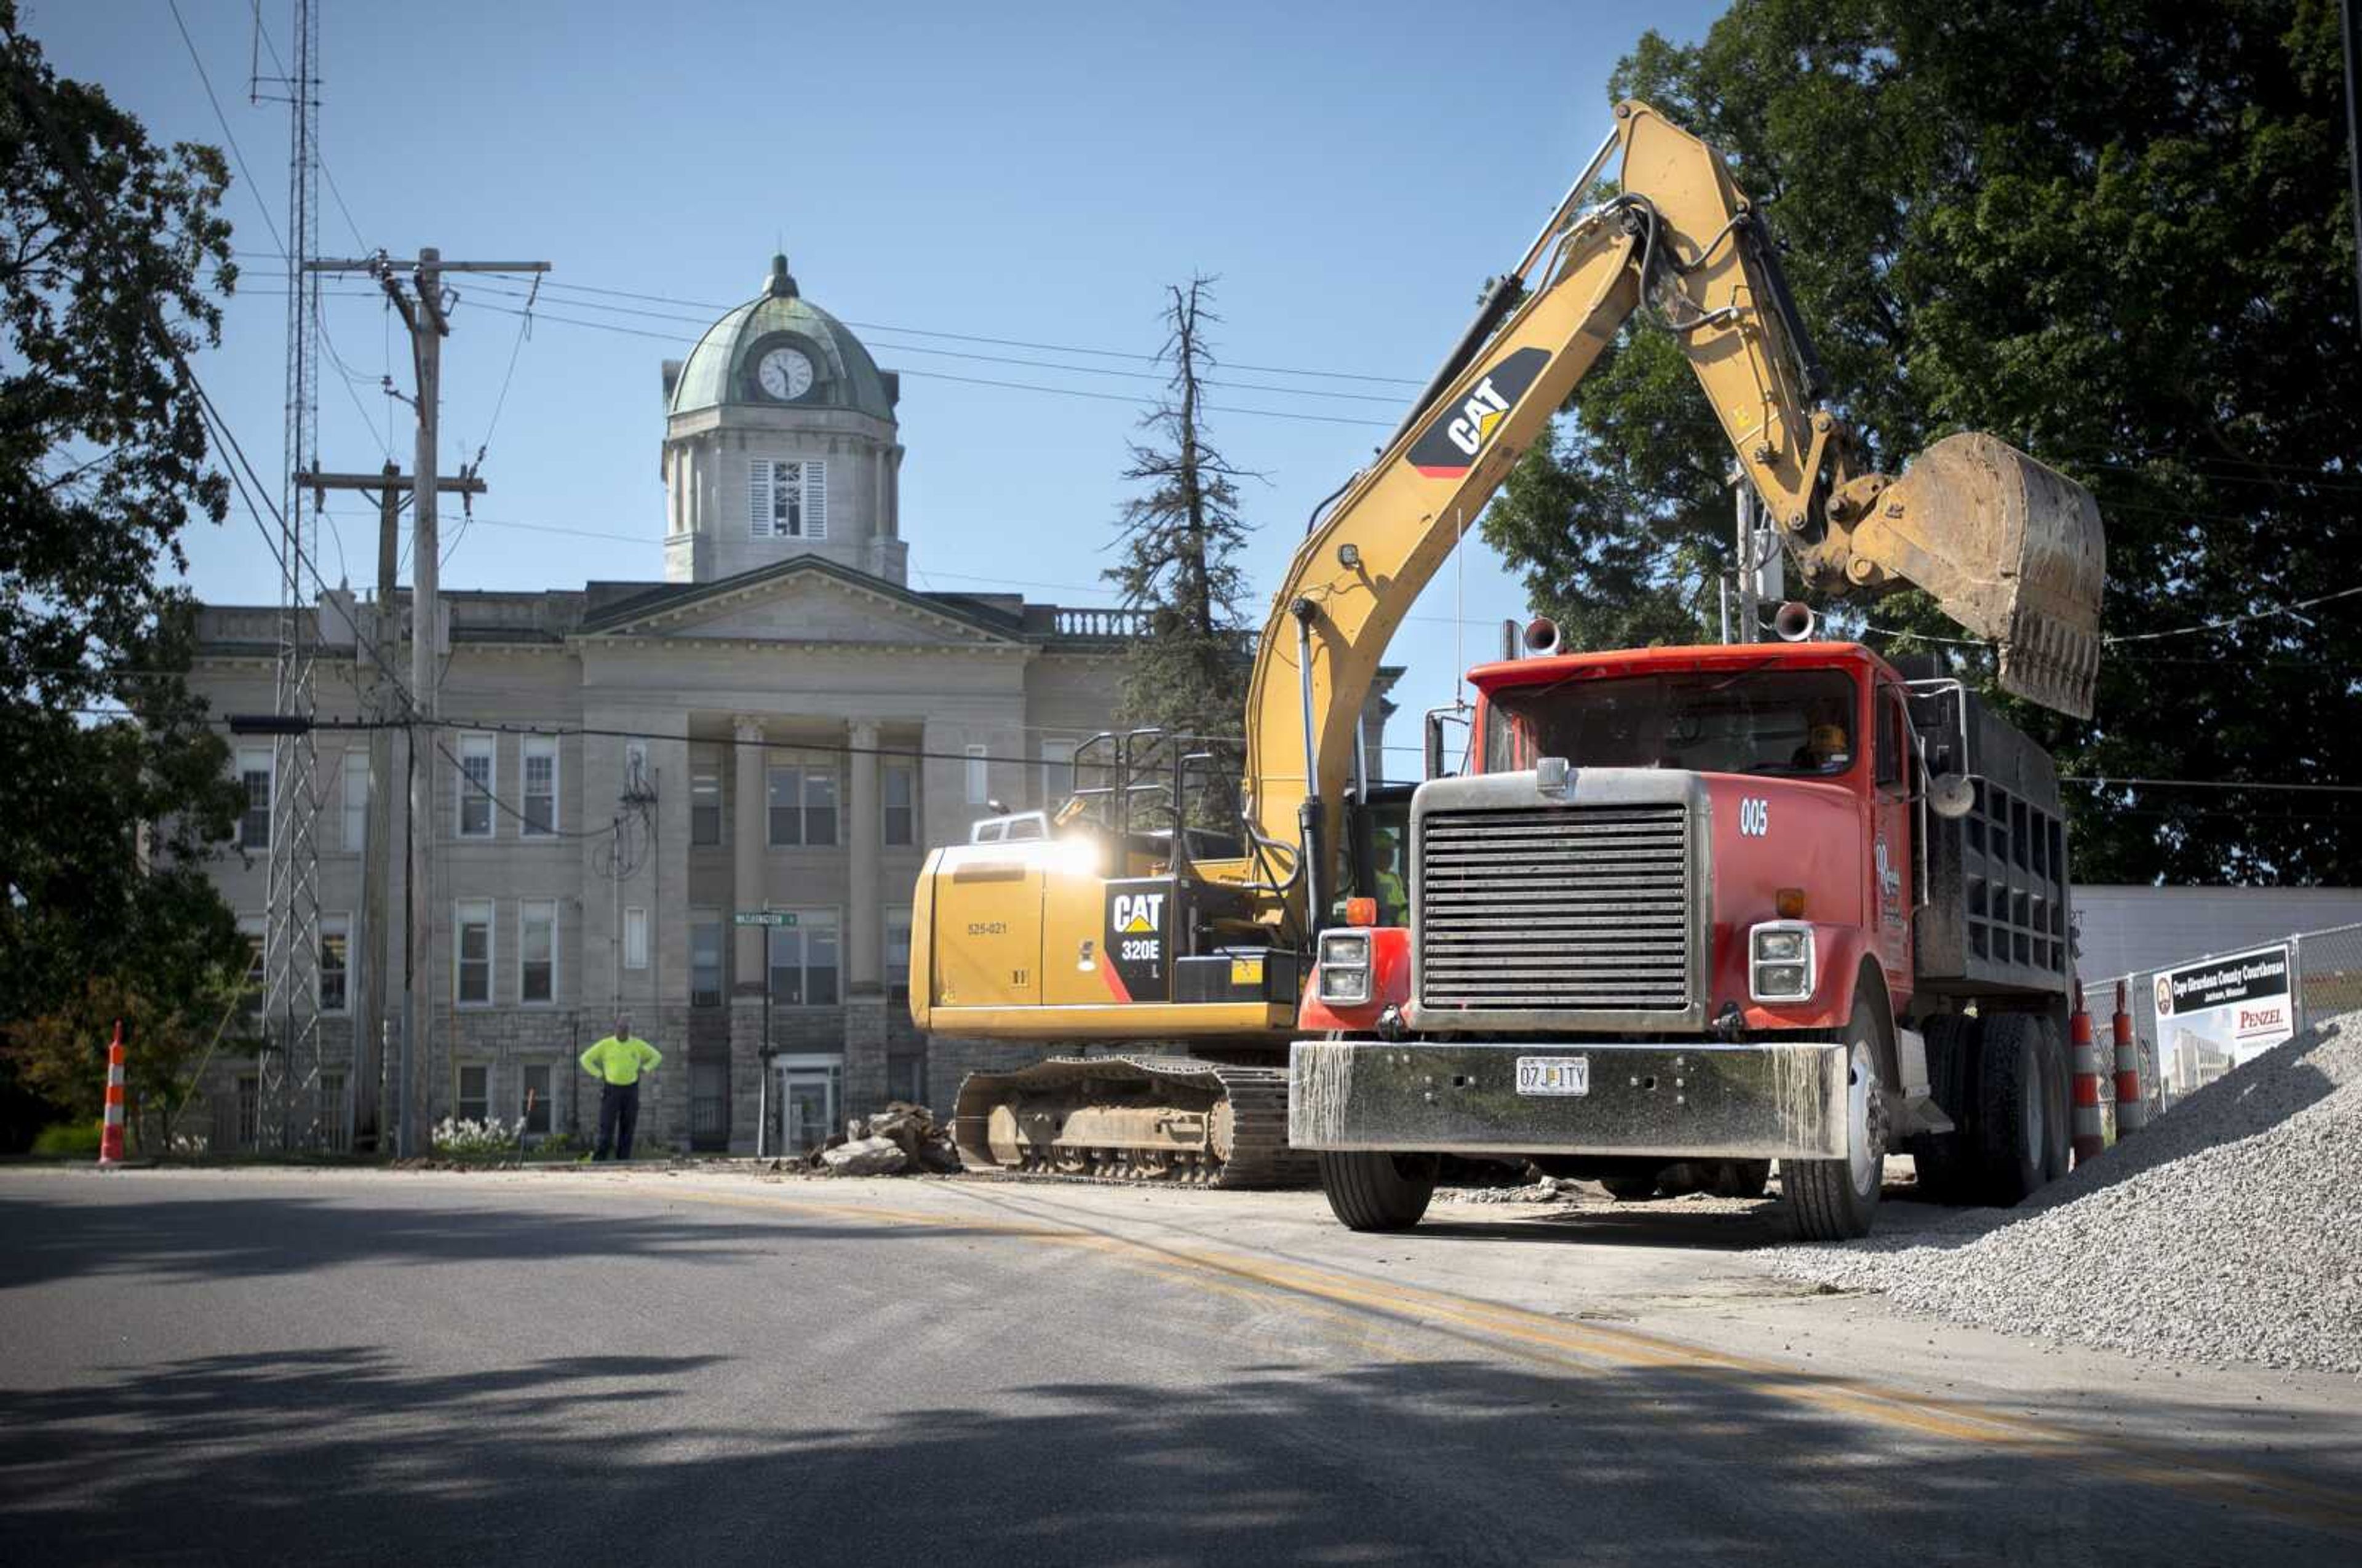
x: 719, y: 369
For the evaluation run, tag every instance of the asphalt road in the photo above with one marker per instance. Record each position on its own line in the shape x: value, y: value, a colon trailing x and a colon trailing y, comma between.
x: 209, y: 1367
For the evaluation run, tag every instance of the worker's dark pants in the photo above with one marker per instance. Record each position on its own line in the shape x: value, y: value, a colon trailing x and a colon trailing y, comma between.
x: 619, y: 1113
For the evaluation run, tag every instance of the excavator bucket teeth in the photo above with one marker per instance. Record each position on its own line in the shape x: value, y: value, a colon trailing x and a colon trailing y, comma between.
x: 2011, y: 550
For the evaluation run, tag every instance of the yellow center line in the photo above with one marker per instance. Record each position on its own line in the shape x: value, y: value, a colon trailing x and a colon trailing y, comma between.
x: 1541, y: 1338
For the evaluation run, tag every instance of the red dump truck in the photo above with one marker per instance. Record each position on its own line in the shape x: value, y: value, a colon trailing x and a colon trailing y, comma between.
x: 1693, y: 909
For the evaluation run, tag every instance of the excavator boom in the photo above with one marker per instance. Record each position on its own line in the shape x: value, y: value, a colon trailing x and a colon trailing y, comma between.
x: 2009, y: 548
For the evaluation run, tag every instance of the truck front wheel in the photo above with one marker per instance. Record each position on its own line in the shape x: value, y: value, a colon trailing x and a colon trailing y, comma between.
x: 1378, y: 1192
x: 1836, y: 1200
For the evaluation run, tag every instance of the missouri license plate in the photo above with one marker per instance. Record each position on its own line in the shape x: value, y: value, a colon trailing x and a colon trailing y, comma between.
x: 1554, y: 1074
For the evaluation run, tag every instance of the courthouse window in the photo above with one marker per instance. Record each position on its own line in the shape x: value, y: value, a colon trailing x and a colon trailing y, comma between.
x: 477, y: 783
x: 788, y: 500
x: 705, y: 807
x: 254, y: 769
x: 356, y: 801
x: 901, y: 803
x: 471, y: 951
x: 803, y: 804
x: 540, y: 788
x: 537, y: 950
x: 804, y: 960
x: 336, y: 961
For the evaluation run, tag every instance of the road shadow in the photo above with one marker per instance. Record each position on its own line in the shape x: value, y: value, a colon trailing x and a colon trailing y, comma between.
x: 165, y: 1240
x: 342, y: 1455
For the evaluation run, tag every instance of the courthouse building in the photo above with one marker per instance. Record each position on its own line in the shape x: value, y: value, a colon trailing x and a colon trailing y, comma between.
x: 781, y: 722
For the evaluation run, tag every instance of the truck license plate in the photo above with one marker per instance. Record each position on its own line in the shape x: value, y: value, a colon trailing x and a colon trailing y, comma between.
x: 1554, y: 1074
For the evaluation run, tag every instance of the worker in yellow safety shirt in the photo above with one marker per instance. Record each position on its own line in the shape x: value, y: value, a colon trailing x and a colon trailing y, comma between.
x: 617, y: 1063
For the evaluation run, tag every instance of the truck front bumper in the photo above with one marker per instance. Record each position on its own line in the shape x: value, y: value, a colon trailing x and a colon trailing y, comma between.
x: 1690, y: 1101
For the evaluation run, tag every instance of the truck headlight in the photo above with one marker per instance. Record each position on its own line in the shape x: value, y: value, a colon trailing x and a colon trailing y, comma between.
x: 1779, y: 961
x: 1345, y: 967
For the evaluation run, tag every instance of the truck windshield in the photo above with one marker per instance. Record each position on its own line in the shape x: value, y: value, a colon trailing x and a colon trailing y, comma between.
x: 1757, y: 720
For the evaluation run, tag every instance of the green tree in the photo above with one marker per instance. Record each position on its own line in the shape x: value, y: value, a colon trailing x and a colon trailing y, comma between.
x: 2117, y: 233
x: 166, y: 1042
x: 1176, y: 541
x: 118, y: 792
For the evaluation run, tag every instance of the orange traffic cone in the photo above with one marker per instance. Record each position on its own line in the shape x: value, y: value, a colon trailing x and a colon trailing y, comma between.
x: 2090, y: 1131
x: 110, y: 1137
x: 2131, y: 1105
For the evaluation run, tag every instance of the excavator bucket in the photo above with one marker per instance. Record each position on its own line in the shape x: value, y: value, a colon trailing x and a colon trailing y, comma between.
x: 2011, y: 550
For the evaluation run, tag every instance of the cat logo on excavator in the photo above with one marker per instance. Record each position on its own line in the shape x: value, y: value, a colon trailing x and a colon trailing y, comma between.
x: 1449, y: 447
x: 1139, y: 914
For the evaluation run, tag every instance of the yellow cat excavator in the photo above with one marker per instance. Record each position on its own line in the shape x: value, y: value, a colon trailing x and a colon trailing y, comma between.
x: 1124, y: 920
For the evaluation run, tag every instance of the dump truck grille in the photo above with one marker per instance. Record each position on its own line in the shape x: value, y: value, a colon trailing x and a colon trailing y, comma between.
x: 1559, y: 909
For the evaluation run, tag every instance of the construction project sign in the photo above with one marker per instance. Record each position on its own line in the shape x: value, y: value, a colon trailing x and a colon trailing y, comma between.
x: 2214, y: 1015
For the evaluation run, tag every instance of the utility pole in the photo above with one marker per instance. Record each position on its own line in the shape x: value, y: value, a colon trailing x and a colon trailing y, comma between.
x: 428, y: 320
x: 390, y: 488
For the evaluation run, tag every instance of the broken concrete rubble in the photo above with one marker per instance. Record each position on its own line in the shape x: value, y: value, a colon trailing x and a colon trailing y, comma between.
x: 909, y: 1130
x: 865, y: 1157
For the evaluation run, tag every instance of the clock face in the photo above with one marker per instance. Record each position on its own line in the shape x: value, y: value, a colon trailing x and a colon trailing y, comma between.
x: 785, y: 373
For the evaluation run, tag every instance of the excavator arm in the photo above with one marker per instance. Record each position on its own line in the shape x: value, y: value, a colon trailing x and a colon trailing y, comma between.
x: 2010, y: 548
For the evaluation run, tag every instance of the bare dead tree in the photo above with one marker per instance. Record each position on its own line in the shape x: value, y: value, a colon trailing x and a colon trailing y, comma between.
x: 1177, y: 540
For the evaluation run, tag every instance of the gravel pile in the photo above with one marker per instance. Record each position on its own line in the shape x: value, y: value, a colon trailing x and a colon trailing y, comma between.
x: 2229, y: 1230
x: 1549, y: 1189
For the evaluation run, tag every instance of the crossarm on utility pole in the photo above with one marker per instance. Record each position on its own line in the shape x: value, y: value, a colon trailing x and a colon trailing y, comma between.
x: 428, y: 324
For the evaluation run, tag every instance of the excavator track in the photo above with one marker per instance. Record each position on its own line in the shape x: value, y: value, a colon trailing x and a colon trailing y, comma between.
x: 1165, y: 1120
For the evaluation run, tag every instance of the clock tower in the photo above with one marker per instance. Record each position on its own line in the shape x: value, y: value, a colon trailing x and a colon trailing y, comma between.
x: 780, y: 440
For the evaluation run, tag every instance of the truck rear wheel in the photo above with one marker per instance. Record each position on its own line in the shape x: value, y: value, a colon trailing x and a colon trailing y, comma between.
x: 1947, y: 1161
x: 2059, y: 1142
x: 1378, y: 1192
x: 2014, y: 1099
x: 1836, y: 1200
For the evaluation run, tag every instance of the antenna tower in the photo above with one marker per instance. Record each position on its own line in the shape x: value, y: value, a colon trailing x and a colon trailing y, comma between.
x: 290, y: 1114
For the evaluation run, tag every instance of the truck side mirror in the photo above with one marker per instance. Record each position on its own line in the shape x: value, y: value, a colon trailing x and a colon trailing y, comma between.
x: 1434, y: 746
x: 1950, y: 796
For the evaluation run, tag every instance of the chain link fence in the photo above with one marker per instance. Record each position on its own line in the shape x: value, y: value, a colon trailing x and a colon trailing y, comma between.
x: 2326, y: 980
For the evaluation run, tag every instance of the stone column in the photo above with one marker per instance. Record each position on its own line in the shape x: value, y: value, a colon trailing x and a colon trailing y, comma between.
x: 865, y: 833
x: 748, y: 886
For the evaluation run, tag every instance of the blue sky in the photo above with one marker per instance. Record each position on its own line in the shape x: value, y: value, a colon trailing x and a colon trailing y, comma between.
x: 1037, y: 173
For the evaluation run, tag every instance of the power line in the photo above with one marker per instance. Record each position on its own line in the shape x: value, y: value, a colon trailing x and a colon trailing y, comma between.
x: 228, y: 135
x: 339, y: 197
x: 2227, y: 620
x: 558, y: 528
x: 506, y: 810
x: 920, y: 754
x: 2114, y: 639
x: 2110, y: 456
x: 1002, y: 342
x: 351, y: 377
x: 1389, y: 401
x: 525, y: 330
x: 984, y: 381
x: 710, y: 309
x: 2105, y: 782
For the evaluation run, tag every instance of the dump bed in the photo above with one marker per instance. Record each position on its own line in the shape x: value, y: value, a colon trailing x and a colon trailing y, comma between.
x: 1998, y: 917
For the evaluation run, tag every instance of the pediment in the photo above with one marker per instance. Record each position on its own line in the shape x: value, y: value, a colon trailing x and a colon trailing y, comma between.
x: 812, y: 603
